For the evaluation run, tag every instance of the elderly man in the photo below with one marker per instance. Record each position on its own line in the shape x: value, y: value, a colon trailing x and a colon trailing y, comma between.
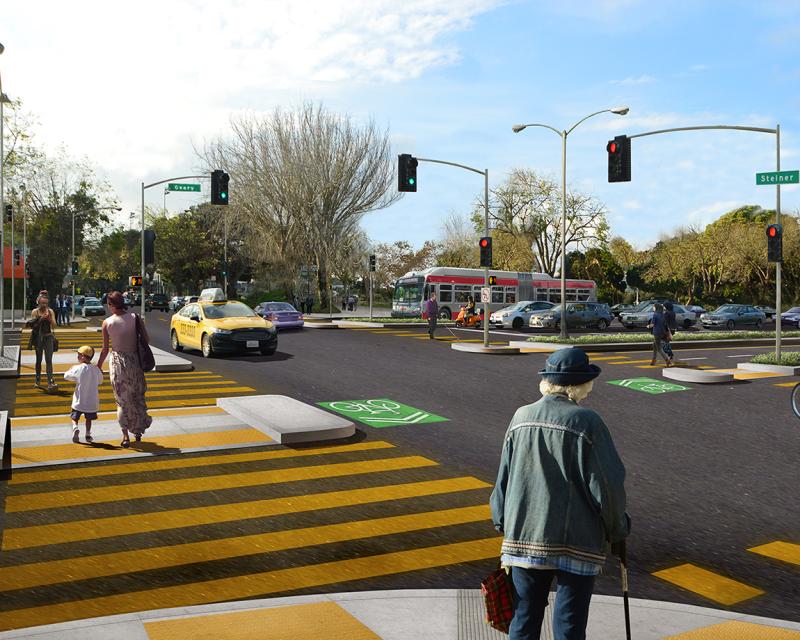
x: 559, y: 500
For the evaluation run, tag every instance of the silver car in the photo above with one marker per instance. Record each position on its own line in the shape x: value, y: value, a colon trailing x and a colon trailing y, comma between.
x: 579, y: 314
x: 518, y: 315
x: 731, y: 316
x: 641, y: 317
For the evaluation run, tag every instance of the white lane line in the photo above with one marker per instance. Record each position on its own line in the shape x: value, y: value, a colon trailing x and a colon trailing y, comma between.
x: 744, y: 355
x: 703, y: 358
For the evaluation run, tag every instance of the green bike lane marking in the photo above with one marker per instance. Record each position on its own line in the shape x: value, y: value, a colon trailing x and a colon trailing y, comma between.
x: 382, y: 412
x: 649, y: 385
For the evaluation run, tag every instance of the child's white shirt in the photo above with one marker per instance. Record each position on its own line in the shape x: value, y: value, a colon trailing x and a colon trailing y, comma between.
x: 87, y: 379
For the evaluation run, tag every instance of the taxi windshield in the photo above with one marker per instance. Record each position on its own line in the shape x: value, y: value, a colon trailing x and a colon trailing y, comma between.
x: 228, y: 310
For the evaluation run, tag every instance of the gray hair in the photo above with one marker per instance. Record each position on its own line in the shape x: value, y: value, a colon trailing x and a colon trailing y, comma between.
x: 575, y: 392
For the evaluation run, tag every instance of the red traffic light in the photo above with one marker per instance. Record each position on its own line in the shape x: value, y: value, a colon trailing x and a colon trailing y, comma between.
x: 772, y: 232
x: 484, y: 243
x: 612, y: 147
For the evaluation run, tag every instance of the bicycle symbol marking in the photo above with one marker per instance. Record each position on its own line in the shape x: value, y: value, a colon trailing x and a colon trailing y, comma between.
x: 372, y: 407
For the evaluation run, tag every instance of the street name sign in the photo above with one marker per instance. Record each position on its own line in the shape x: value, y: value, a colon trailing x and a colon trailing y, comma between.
x: 179, y: 186
x: 649, y: 385
x: 381, y: 412
x: 778, y: 177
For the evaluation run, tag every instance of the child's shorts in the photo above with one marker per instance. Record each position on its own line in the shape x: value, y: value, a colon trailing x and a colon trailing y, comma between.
x: 76, y: 415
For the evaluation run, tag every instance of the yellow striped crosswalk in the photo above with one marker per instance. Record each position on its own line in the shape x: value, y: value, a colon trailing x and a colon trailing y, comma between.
x: 231, y: 526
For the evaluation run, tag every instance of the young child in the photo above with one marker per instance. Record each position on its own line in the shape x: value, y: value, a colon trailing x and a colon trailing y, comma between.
x: 86, y: 399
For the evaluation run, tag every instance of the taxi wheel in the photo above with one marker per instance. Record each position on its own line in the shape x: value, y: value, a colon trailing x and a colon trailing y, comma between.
x: 208, y: 350
x: 176, y: 346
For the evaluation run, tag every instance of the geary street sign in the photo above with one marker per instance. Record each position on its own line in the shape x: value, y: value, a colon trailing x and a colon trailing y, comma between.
x: 778, y: 177
x: 179, y: 186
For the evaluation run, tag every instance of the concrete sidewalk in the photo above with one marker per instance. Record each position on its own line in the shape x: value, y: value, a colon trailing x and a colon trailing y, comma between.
x: 445, y: 614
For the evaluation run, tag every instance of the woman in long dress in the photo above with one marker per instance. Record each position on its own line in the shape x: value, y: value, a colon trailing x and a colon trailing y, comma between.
x: 127, y: 378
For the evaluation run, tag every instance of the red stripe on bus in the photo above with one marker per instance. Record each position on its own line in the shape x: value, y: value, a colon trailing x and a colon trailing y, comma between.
x: 550, y: 284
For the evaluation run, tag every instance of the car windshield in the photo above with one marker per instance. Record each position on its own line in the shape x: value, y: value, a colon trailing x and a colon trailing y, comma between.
x: 278, y: 306
x: 519, y: 305
x: 91, y: 302
x: 727, y: 308
x: 794, y: 310
x: 228, y: 310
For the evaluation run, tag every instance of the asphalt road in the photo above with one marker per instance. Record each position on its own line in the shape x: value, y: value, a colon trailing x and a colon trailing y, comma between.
x: 711, y: 470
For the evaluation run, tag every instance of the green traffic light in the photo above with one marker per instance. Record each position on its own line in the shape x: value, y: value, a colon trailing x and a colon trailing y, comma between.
x: 223, y: 195
x: 411, y: 181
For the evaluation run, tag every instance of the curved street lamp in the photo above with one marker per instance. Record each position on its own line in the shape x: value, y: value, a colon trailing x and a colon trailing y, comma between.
x: 621, y: 111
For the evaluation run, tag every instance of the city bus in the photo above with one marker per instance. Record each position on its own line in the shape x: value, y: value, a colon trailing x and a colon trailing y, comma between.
x: 452, y: 286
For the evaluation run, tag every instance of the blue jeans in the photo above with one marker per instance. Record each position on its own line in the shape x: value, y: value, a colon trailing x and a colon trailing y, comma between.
x: 531, y: 588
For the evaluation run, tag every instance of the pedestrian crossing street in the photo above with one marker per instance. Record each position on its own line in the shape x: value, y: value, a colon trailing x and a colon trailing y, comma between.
x: 123, y: 536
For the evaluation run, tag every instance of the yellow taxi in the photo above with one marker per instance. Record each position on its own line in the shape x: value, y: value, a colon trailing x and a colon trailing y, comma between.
x: 215, y: 325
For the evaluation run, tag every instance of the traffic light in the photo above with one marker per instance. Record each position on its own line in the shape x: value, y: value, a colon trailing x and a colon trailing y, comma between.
x: 9, y: 212
x: 149, y: 246
x: 135, y: 281
x: 219, y: 187
x: 17, y: 257
x: 492, y: 280
x: 485, y: 245
x: 619, y: 159
x: 406, y: 172
x: 372, y: 263
x: 775, y: 243
x: 74, y: 267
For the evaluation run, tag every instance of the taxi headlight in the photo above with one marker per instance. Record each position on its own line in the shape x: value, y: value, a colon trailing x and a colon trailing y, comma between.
x: 221, y: 332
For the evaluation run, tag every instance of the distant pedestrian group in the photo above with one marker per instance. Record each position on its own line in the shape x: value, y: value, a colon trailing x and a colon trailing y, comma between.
x: 63, y: 309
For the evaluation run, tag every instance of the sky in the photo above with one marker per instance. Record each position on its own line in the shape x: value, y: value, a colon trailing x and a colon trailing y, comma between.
x: 137, y: 87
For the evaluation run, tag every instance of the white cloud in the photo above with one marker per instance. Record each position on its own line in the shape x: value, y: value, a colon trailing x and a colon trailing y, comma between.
x: 699, y: 67
x: 710, y: 212
x: 634, y: 80
x: 633, y: 203
x: 131, y: 85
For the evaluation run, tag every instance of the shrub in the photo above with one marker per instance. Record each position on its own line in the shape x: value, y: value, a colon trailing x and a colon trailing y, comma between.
x: 788, y: 358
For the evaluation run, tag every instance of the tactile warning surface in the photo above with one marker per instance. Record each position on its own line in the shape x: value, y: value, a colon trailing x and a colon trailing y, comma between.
x: 735, y: 630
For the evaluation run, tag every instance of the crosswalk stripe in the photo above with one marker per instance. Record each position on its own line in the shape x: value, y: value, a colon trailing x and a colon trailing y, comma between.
x: 593, y: 358
x: 107, y: 406
x: 83, y: 568
x: 258, y: 584
x: 59, y: 499
x: 779, y: 550
x: 97, y: 528
x: 708, y: 584
x: 208, y: 384
x: 631, y: 361
x: 71, y: 451
x: 28, y: 477
x: 21, y: 423
x: 785, y: 384
x: 49, y: 399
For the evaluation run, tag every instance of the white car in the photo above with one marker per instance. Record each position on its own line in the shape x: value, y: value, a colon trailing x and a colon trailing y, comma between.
x: 518, y: 315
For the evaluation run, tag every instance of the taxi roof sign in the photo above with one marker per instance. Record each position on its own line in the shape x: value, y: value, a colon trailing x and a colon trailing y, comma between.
x: 212, y: 295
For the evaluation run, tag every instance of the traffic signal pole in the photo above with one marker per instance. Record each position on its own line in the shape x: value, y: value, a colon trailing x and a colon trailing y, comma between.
x: 485, y: 174
x: 777, y: 132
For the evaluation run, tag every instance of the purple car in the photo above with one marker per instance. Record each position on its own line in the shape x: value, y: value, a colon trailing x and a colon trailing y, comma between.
x: 281, y: 314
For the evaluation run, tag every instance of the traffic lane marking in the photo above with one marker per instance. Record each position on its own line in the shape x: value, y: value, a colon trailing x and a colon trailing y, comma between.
x: 708, y: 584
x: 107, y: 395
x: 315, y: 621
x: 28, y: 477
x: 98, y: 528
x: 779, y: 550
x: 628, y: 361
x: 106, y: 406
x: 38, y: 574
x: 22, y: 423
x: 155, y: 446
x: 258, y: 584
x: 178, y: 385
x: 80, y: 497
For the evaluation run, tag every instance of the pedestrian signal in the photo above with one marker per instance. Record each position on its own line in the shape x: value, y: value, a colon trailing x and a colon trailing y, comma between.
x: 619, y: 159
x: 775, y: 243
x: 135, y: 281
x: 492, y: 280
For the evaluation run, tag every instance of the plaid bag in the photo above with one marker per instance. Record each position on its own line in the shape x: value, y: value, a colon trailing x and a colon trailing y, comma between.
x: 498, y: 596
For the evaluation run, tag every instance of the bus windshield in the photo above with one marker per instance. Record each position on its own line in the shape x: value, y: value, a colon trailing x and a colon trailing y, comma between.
x: 408, y: 291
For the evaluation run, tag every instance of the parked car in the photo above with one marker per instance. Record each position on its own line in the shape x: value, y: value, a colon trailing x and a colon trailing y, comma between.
x: 518, y: 315
x: 731, y: 316
x: 159, y: 301
x: 281, y: 314
x: 641, y: 317
x: 79, y: 300
x: 767, y: 311
x: 176, y: 303
x: 696, y: 309
x: 791, y: 317
x: 579, y: 315
x: 617, y: 309
x: 92, y: 307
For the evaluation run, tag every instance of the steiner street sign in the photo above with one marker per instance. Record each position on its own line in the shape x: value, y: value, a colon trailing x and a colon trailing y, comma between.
x: 778, y: 177
x: 179, y: 186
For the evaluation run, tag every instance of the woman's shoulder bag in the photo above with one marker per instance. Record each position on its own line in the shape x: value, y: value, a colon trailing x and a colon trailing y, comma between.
x: 146, y: 359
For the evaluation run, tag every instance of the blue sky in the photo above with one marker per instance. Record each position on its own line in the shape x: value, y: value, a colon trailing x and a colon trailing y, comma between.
x: 448, y: 79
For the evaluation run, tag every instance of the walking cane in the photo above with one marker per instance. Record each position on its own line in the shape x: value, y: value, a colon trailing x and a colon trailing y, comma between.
x: 623, y: 567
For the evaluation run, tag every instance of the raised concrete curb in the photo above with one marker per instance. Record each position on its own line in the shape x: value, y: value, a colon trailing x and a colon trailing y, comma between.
x: 676, y: 344
x: 11, y: 359
x: 769, y: 368
x: 423, y: 614
x: 286, y: 420
x: 538, y: 346
x: 493, y: 349
x: 358, y: 323
x: 313, y: 324
x: 168, y: 362
x: 698, y: 376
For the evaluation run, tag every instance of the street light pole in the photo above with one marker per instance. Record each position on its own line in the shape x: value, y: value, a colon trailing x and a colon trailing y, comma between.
x: 621, y: 111
x: 3, y: 100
